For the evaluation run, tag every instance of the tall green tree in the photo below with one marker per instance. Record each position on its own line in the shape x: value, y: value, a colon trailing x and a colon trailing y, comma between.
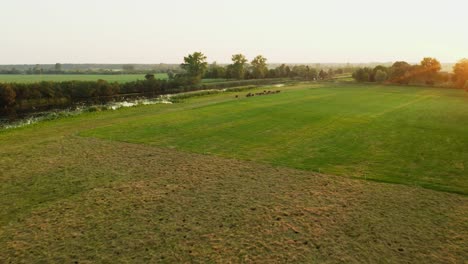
x: 460, y: 71
x: 363, y: 74
x: 238, y: 66
x: 259, y: 67
x: 195, y: 66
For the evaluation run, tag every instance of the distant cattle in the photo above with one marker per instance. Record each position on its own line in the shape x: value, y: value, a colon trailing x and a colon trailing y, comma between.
x: 265, y: 92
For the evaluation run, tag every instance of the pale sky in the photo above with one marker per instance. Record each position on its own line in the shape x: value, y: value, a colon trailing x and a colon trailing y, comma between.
x: 145, y: 31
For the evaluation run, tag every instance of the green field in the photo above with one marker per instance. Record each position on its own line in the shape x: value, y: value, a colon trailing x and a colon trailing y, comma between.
x: 265, y: 179
x: 404, y: 135
x: 22, y: 78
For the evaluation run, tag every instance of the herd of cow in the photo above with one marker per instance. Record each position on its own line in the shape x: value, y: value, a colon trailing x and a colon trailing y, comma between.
x: 262, y: 93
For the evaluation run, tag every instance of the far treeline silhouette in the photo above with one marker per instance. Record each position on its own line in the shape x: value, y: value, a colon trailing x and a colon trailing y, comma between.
x: 427, y: 72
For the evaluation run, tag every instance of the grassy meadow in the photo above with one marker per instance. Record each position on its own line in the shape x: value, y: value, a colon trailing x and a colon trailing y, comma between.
x: 415, y: 136
x: 299, y: 176
x: 30, y: 78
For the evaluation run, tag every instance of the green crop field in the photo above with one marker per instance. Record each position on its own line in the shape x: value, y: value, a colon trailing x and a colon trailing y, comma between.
x: 304, y: 175
x: 23, y: 78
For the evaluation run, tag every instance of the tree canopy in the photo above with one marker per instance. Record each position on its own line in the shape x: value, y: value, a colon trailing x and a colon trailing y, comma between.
x: 430, y: 65
x: 195, y: 65
x: 237, y: 68
x: 460, y: 71
x: 259, y: 67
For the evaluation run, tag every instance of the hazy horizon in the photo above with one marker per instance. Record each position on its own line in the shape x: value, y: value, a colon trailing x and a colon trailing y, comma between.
x: 297, y: 31
x: 218, y: 63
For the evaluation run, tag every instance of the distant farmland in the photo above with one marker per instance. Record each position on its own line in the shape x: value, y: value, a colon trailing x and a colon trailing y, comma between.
x: 121, y: 78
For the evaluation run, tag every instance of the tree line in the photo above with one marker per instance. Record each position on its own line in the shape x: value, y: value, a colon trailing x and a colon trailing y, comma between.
x: 426, y: 72
x: 196, y: 66
x: 187, y: 77
x: 47, y: 94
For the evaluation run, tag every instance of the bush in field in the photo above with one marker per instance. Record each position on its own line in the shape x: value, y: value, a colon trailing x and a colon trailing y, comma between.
x: 362, y: 75
x: 83, y: 90
x: 46, y: 89
x: 380, y: 76
x: 399, y: 72
x: 7, y: 95
x: 104, y: 88
x: 375, y: 70
x: 323, y: 75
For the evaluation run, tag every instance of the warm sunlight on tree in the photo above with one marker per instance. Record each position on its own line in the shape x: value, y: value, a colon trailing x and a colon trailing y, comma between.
x: 430, y: 65
x: 460, y: 71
